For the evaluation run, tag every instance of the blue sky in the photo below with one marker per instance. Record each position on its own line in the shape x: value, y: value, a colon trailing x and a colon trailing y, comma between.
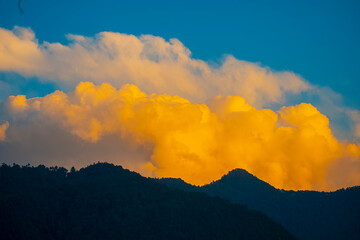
x: 320, y: 40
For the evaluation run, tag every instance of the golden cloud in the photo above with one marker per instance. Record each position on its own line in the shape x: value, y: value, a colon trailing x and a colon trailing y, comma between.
x: 291, y: 148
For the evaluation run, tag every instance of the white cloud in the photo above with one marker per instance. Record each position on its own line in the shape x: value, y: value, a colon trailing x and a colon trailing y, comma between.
x: 150, y: 62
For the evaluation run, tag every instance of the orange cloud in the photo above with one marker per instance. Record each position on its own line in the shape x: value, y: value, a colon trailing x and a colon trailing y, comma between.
x: 3, y: 128
x: 292, y: 148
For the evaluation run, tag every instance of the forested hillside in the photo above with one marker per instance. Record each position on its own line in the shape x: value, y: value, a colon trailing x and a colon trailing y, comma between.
x: 104, y: 201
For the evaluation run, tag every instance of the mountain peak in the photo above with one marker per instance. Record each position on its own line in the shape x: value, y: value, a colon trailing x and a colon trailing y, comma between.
x: 241, y: 175
x: 239, y: 172
x: 241, y: 180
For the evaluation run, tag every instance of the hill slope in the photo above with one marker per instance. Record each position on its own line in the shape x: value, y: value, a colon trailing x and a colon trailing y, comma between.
x: 306, y: 214
x: 104, y: 201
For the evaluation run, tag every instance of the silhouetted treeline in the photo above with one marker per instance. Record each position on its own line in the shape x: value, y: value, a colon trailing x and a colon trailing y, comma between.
x: 104, y: 201
x: 306, y: 214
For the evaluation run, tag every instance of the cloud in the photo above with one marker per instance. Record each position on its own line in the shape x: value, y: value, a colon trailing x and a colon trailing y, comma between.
x: 344, y: 171
x: 355, y: 116
x: 166, y: 129
x: 292, y: 148
x: 152, y: 63
x: 3, y: 128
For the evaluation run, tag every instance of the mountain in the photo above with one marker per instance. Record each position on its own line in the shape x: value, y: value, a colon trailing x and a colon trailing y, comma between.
x: 306, y: 214
x: 104, y: 201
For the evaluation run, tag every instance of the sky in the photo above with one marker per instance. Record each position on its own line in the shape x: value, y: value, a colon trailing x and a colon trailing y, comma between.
x: 279, y: 77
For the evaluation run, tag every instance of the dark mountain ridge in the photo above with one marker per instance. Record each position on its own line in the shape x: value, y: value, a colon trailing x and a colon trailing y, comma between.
x: 306, y: 214
x: 104, y: 201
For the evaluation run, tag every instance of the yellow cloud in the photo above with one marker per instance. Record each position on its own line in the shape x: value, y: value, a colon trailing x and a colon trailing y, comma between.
x: 18, y: 103
x: 290, y: 149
